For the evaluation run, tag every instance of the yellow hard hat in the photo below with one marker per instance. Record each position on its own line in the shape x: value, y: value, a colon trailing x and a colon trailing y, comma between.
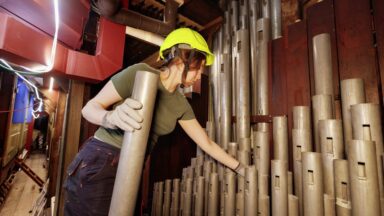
x: 189, y: 37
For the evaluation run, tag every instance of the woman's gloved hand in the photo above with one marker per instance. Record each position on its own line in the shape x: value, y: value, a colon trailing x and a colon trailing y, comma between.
x: 240, y: 169
x: 124, y: 116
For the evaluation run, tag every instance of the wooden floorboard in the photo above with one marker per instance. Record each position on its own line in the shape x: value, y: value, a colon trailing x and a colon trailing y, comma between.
x: 24, y: 191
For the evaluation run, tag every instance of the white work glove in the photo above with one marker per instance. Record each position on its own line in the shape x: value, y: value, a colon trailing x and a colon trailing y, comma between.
x: 240, y: 169
x: 124, y: 116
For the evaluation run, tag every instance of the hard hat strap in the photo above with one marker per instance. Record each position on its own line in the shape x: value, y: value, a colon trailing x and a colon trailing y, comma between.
x: 175, y: 51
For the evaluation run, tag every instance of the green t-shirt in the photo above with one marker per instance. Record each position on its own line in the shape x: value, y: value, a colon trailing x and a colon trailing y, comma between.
x: 169, y: 107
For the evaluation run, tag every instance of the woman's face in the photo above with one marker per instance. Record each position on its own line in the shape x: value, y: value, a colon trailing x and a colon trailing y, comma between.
x: 194, y: 73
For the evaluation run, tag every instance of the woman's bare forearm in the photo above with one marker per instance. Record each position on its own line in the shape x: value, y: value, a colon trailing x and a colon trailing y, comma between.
x: 94, y: 112
x: 215, y: 151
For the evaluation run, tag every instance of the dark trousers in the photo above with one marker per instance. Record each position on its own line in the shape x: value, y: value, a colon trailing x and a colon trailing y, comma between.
x: 90, y: 179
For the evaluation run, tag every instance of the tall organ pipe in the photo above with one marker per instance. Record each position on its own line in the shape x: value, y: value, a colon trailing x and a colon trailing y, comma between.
x: 199, y: 197
x: 263, y: 29
x: 329, y: 205
x: 234, y: 24
x: 262, y: 161
x: 367, y: 125
x: 226, y: 113
x: 213, y: 88
x: 293, y: 205
x: 261, y: 152
x: 240, y: 204
x: 251, y: 191
x: 187, y: 200
x: 332, y: 147
x: 279, y: 184
x: 364, y: 178
x: 217, y: 84
x: 280, y: 138
x: 243, y: 120
x: 133, y: 148
x: 244, y: 14
x: 167, y: 197
x: 301, y: 117
x: 276, y: 18
x: 159, y: 199
x: 243, y: 157
x: 230, y: 194
x: 263, y: 185
x: 232, y: 149
x: 213, y: 195
x: 266, y: 10
x: 254, y: 52
x: 208, y: 165
x: 175, y: 197
x: 322, y: 109
x: 245, y: 144
x: 342, y: 187
x: 264, y: 206
x: 234, y: 17
x: 154, y: 198
x: 227, y: 33
x: 352, y: 92
x: 312, y: 184
x: 301, y: 140
x: 322, y: 62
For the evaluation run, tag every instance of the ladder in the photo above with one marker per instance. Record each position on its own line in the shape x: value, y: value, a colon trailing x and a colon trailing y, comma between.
x: 29, y: 172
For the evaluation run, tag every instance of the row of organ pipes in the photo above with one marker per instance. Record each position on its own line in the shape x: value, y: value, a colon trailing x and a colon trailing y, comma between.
x: 337, y: 168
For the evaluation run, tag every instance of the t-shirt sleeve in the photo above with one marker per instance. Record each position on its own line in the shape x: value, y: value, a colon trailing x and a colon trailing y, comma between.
x: 123, y: 81
x: 188, y: 114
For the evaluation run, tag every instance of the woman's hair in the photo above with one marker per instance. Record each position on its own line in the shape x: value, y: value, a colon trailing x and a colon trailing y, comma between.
x: 184, y: 55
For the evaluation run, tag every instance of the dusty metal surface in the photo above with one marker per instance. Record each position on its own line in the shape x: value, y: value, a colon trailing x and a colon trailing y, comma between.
x: 332, y: 147
x: 313, y: 200
x: 342, y: 187
x: 279, y: 187
x: 352, y: 92
x: 364, y: 178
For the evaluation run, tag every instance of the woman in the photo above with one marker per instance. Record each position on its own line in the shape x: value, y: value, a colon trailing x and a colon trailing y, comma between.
x: 91, y: 175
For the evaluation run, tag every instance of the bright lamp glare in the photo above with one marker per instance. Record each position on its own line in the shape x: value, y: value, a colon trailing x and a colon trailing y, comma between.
x: 51, y: 81
x: 51, y: 60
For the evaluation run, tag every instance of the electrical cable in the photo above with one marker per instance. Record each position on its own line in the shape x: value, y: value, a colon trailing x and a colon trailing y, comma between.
x: 30, y: 84
x: 17, y: 110
x: 45, y: 68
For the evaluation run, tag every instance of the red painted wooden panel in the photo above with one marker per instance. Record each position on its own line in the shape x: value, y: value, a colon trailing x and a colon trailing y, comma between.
x: 378, y: 16
x: 298, y: 91
x: 73, y: 16
x: 279, y: 79
x: 32, y: 47
x: 355, y: 45
x: 320, y: 19
x: 298, y: 83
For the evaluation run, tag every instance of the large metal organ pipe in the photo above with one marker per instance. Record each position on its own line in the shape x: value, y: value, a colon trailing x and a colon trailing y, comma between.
x: 336, y: 163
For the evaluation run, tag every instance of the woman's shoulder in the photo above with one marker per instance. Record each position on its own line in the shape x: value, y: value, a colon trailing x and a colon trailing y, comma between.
x: 130, y: 72
x: 144, y: 67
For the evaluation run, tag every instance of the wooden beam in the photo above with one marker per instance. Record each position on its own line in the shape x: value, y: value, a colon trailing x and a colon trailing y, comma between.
x: 54, y: 142
x: 180, y: 17
x: 71, y: 137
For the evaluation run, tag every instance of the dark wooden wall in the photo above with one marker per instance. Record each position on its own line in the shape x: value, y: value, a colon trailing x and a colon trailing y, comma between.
x: 7, y: 82
x: 357, y: 45
x: 173, y: 152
